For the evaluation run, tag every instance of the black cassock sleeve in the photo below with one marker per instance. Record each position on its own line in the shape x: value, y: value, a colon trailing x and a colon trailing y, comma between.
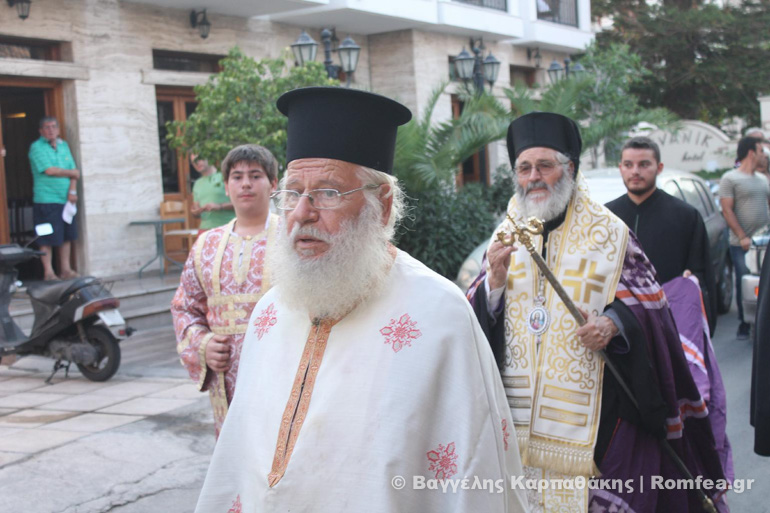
x: 493, y: 329
x: 760, y: 383
x: 636, y: 371
x: 699, y: 262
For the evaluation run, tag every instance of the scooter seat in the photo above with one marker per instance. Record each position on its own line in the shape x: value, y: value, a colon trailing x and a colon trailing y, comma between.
x: 51, y: 291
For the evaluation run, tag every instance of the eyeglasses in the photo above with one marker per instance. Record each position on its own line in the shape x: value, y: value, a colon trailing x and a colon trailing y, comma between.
x: 322, y: 199
x: 545, y: 168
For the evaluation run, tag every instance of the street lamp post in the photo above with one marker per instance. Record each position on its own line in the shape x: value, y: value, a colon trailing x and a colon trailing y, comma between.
x: 305, y: 49
x: 473, y: 67
x: 331, y: 69
x: 556, y: 72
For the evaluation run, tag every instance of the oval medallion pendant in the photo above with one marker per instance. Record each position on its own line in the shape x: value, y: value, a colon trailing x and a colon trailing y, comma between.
x: 537, y: 320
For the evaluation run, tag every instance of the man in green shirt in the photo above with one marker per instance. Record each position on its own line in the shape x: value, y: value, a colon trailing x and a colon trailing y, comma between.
x: 54, y: 179
x: 209, y: 199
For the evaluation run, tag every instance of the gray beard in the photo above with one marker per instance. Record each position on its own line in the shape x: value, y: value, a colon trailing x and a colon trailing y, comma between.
x: 557, y: 202
x: 355, y: 267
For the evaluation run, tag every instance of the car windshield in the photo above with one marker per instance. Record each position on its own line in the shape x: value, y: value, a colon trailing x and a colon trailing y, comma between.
x: 606, y: 184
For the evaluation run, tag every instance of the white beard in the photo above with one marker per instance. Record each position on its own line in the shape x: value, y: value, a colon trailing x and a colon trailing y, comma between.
x: 551, y: 208
x: 355, y: 267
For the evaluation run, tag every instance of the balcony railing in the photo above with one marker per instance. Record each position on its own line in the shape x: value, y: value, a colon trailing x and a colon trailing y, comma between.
x: 500, y: 5
x: 558, y: 11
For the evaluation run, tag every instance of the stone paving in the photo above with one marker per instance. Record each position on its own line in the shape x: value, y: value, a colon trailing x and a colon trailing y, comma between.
x: 131, y: 444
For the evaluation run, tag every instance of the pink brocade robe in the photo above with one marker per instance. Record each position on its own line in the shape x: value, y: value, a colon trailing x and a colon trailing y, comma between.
x: 223, y: 278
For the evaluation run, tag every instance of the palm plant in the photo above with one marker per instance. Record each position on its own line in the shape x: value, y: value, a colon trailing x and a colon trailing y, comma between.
x: 602, y: 102
x: 428, y: 154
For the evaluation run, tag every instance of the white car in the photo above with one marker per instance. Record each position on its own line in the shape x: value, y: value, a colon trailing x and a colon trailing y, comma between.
x: 750, y: 282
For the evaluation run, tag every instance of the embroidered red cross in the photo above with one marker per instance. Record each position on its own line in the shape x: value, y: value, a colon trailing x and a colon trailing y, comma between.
x: 265, y: 321
x: 443, y: 461
x: 401, y: 332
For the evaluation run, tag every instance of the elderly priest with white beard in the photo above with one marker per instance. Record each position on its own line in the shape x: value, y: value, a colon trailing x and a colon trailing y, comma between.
x: 365, y: 383
x: 571, y: 417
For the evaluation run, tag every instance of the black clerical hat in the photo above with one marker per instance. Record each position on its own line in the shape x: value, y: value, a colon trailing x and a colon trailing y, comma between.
x: 342, y: 124
x: 544, y: 129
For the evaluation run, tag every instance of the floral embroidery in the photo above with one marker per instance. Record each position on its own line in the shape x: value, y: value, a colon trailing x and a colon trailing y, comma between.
x: 506, y: 434
x: 401, y: 333
x: 236, y: 507
x: 265, y: 321
x: 443, y: 461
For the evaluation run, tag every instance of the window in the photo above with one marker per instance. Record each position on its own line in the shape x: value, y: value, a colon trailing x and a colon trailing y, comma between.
x: 523, y: 75
x: 563, y: 12
x: 673, y: 189
x: 36, y: 49
x: 707, y: 197
x: 500, y: 5
x: 180, y: 61
x: 692, y: 197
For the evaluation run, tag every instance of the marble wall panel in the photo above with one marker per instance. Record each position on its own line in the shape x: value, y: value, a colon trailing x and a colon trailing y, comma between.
x: 110, y: 107
x: 392, y: 69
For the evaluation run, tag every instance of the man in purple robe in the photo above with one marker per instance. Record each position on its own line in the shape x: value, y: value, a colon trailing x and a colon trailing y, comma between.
x: 572, y: 417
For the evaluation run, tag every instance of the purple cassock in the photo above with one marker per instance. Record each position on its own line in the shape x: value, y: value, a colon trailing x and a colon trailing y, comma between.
x: 685, y: 300
x: 670, y: 403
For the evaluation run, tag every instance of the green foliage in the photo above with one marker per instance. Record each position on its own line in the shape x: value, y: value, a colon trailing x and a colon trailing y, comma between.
x: 713, y: 175
x: 428, y: 154
x: 707, y: 61
x: 602, y: 101
x: 237, y: 106
x: 444, y: 226
x: 501, y: 191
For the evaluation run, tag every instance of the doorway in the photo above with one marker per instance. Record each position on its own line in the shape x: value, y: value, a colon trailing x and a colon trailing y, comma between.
x: 176, y: 104
x: 22, y: 104
x: 473, y: 169
x: 21, y: 110
x: 178, y: 176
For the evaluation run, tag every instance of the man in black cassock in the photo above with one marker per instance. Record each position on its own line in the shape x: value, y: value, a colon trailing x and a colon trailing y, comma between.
x: 760, y: 406
x: 672, y: 233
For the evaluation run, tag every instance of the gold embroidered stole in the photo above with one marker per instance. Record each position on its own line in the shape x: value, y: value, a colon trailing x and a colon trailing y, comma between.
x: 240, y: 271
x: 554, y: 391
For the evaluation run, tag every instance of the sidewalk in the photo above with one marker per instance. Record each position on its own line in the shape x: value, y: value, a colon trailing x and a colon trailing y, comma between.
x: 131, y: 444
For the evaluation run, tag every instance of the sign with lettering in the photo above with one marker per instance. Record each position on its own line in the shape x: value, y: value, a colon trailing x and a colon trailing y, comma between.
x: 696, y: 146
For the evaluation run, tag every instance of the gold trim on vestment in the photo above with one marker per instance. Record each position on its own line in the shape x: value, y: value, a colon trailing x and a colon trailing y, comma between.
x: 554, y: 388
x: 198, y: 259
x: 299, y: 399
x: 231, y: 330
x: 235, y: 298
x: 218, y: 392
x: 216, y: 266
x: 272, y: 230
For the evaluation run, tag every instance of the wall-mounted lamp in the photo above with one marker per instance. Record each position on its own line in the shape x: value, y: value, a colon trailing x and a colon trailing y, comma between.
x: 534, y: 53
x: 22, y: 7
x: 199, y: 20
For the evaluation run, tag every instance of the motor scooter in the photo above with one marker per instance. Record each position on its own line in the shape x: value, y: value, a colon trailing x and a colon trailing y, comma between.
x: 75, y: 321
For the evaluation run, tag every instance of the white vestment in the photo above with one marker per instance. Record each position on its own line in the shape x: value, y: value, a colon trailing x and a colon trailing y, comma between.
x: 334, y: 415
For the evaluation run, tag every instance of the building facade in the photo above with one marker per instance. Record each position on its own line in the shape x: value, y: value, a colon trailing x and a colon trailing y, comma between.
x: 114, y: 71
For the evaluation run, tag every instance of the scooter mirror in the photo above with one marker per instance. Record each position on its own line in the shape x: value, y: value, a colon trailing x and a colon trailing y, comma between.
x: 43, y: 229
